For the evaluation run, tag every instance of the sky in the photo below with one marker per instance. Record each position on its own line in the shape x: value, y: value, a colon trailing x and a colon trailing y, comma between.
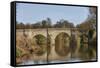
x: 32, y: 13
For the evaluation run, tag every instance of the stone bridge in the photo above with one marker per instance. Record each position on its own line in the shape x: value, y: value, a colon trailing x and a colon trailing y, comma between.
x: 53, y: 33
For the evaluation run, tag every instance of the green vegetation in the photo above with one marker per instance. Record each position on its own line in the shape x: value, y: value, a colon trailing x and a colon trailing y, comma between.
x: 88, y: 48
x: 41, y: 43
x: 46, y: 24
x: 40, y: 40
x: 18, y: 52
x: 88, y: 30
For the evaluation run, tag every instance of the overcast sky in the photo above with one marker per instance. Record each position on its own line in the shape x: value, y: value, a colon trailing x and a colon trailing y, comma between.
x: 32, y: 13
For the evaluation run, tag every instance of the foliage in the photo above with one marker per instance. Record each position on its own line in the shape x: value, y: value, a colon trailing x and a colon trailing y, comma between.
x: 63, y: 24
x: 40, y: 44
x: 41, y: 40
x: 18, y: 52
x: 90, y: 51
x: 90, y: 22
x: 90, y: 33
x: 46, y: 24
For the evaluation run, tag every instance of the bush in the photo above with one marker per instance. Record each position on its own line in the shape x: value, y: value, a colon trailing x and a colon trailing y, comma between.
x: 18, y: 53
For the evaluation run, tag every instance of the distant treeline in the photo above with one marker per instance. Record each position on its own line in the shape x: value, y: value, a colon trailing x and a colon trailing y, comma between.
x: 45, y: 23
x: 86, y: 25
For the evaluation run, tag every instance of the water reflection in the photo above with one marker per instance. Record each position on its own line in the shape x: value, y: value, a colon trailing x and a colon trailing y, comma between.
x: 30, y: 62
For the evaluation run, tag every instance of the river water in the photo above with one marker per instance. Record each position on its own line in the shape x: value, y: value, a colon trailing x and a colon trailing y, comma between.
x: 30, y: 62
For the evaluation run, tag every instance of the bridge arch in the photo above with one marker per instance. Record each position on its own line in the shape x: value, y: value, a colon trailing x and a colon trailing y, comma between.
x: 62, y: 43
x: 39, y: 42
x: 62, y: 33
